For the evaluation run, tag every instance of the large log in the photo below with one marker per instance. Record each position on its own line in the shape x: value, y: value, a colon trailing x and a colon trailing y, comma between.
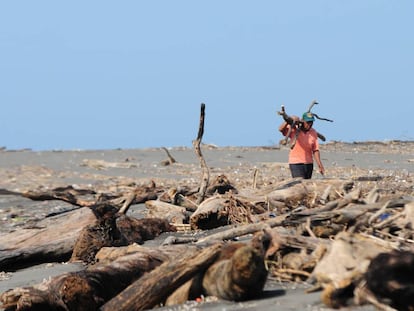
x: 239, y: 273
x: 52, y: 239
x: 240, y: 277
x: 154, y: 287
x: 84, y: 290
x: 107, y: 255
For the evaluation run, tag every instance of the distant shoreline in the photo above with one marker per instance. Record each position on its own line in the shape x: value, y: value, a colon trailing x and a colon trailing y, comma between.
x: 212, y: 145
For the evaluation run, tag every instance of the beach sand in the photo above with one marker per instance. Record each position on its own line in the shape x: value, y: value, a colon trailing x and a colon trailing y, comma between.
x: 22, y: 170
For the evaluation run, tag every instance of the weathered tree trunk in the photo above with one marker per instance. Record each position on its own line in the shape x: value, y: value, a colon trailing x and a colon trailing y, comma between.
x: 239, y: 273
x: 154, y: 287
x: 84, y: 290
x: 52, y: 239
x: 240, y: 277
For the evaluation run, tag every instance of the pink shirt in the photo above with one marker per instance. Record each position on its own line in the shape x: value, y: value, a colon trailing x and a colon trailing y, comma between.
x: 306, y: 144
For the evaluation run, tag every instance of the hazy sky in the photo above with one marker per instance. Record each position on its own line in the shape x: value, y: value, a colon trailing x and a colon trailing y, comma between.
x: 132, y: 74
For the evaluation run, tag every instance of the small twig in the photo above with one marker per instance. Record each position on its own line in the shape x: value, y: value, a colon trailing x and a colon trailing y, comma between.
x: 294, y: 271
x: 394, y: 237
x: 380, y: 241
x: 309, y: 229
x: 378, y: 213
x: 325, y: 194
x: 313, y: 103
x: 323, y: 119
x: 128, y: 201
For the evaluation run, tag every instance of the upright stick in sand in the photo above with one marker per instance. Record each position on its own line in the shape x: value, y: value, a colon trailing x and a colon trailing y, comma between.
x: 206, y: 173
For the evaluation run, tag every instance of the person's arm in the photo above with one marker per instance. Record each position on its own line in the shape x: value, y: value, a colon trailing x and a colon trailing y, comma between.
x: 284, y: 127
x: 317, y: 156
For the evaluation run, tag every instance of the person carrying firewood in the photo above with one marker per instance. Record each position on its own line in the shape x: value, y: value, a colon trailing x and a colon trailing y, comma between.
x: 304, y: 145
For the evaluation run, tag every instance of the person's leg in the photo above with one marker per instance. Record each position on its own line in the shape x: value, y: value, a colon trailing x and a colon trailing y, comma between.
x: 308, y: 170
x: 297, y: 170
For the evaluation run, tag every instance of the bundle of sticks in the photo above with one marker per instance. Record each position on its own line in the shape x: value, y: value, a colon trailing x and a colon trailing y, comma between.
x: 297, y: 123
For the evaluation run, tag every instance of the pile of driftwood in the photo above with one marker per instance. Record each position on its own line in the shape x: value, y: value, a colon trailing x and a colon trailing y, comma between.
x: 353, y: 244
x: 350, y: 239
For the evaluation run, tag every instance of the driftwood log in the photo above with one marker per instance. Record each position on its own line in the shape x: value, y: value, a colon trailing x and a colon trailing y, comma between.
x: 51, y: 239
x: 90, y: 197
x: 239, y: 273
x: 173, y: 213
x: 154, y: 287
x: 113, y: 229
x: 84, y: 290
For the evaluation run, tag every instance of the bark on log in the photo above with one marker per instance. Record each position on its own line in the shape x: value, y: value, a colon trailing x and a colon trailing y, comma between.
x: 154, y: 287
x: 112, y: 230
x: 103, y: 232
x: 240, y: 277
x: 390, y: 276
x: 143, y: 229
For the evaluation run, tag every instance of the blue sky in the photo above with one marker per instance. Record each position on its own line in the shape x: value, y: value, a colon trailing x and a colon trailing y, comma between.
x: 132, y: 74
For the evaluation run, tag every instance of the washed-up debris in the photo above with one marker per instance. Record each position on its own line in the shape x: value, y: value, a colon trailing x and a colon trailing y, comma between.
x: 322, y: 231
x: 350, y: 237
